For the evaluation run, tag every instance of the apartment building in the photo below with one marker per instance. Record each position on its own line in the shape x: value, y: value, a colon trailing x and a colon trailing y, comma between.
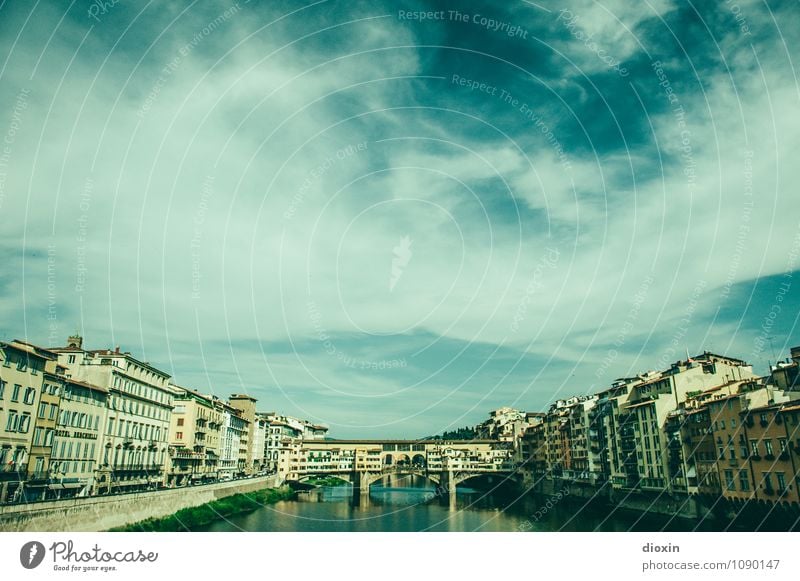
x: 195, y: 438
x: 581, y: 455
x: 773, y: 462
x: 258, y: 434
x: 282, y: 435
x: 534, y: 458
x: 22, y: 374
x: 605, y: 442
x: 140, y: 401
x: 233, y: 442
x: 39, y: 468
x: 785, y: 375
x: 247, y: 411
x: 79, y: 462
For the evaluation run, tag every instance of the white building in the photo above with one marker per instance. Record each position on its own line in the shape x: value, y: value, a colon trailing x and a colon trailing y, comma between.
x: 139, y: 404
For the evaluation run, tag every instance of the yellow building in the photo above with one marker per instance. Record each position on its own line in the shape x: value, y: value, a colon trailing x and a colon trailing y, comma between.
x: 22, y: 371
x: 194, y: 438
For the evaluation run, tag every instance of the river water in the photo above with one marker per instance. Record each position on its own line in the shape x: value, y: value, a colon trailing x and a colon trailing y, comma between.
x: 409, y: 503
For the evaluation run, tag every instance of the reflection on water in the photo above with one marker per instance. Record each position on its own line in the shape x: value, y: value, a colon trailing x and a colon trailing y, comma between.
x: 411, y: 503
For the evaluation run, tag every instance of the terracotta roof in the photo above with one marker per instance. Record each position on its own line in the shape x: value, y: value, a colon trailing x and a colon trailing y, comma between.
x: 26, y: 347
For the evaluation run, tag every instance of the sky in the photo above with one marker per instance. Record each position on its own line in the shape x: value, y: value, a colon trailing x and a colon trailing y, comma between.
x: 393, y: 217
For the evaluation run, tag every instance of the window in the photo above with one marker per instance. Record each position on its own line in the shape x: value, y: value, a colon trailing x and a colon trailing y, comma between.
x: 743, y: 449
x: 25, y: 423
x: 729, y: 483
x: 768, y: 447
x: 733, y: 422
x: 22, y: 364
x: 754, y: 447
x: 722, y: 424
x: 37, y: 436
x: 180, y: 421
x: 744, y: 481
x: 13, y: 421
x: 48, y: 437
x: 42, y: 410
x: 2, y: 388
x: 767, y: 480
x: 781, y: 478
x: 53, y: 411
x: 179, y: 435
x: 15, y: 392
x: 782, y: 443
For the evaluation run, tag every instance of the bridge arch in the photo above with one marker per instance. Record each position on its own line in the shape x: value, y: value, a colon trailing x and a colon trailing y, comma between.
x: 418, y: 460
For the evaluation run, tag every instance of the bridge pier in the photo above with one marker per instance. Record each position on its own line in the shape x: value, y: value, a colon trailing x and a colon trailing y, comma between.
x: 447, y: 484
x: 361, y: 482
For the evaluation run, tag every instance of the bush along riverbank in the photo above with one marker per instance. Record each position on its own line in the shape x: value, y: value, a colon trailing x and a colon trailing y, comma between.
x: 188, y: 519
x: 327, y: 481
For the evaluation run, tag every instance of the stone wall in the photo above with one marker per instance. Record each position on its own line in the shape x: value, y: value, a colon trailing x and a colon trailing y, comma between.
x: 647, y: 502
x: 101, y: 513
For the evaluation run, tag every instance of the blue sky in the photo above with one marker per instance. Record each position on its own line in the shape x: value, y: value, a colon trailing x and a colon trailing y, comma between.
x: 393, y: 224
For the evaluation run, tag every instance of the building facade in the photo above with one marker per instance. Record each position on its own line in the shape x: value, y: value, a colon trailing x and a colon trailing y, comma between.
x: 140, y: 401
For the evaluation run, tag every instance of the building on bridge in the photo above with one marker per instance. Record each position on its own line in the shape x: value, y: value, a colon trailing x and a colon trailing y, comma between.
x: 365, y: 461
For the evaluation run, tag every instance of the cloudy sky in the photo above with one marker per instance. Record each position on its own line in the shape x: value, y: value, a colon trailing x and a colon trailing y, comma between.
x: 394, y: 217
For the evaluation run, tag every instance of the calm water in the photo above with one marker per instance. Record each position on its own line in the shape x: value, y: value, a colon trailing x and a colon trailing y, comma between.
x: 408, y: 503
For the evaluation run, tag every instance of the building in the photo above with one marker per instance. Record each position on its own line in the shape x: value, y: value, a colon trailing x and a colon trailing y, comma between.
x: 285, y: 435
x: 140, y: 401
x: 534, y: 460
x: 79, y: 459
x: 784, y: 375
x: 22, y: 373
x: 505, y: 424
x: 258, y: 434
x: 773, y: 464
x: 195, y: 438
x: 233, y: 443
x: 607, y: 460
x: 247, y: 411
x: 39, y: 469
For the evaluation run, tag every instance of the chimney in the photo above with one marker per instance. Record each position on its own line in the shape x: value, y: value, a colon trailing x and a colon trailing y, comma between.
x: 75, y: 341
x: 116, y: 349
x: 795, y: 353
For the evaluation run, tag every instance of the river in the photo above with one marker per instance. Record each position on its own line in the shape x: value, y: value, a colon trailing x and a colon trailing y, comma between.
x: 409, y: 503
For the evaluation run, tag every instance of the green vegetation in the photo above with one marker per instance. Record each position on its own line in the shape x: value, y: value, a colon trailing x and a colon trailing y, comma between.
x: 188, y: 519
x: 465, y: 433
x: 325, y: 481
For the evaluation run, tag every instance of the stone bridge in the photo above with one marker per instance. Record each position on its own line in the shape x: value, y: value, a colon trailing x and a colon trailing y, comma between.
x: 363, y: 462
